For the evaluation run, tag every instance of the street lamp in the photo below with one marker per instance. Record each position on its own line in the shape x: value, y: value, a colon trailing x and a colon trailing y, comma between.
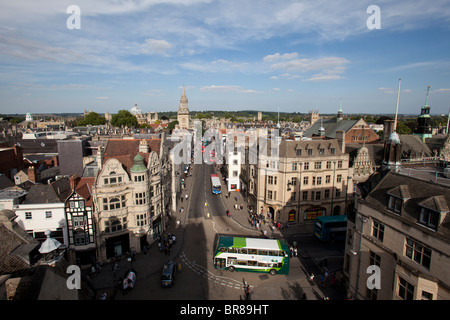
x: 363, y: 221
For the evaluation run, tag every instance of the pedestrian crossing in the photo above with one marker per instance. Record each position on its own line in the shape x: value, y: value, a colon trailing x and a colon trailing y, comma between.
x: 205, y: 273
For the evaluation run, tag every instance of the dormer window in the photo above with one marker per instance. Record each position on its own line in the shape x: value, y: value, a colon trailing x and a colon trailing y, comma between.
x: 395, y: 204
x: 429, y: 218
x: 398, y: 197
x: 432, y: 211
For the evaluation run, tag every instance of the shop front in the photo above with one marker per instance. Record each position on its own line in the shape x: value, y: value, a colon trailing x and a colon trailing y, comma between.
x: 117, y: 246
x: 313, y: 212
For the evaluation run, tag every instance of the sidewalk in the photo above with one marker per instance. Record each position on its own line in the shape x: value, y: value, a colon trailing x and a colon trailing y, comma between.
x: 242, y: 217
x: 144, y: 265
x: 152, y: 263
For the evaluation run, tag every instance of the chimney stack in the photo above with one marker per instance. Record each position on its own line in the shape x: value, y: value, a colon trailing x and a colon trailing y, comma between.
x: 388, y: 129
x: 32, y: 174
x: 73, y: 180
x: 340, y: 136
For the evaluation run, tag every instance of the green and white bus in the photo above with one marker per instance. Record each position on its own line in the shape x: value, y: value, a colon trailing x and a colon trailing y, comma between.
x: 252, y: 255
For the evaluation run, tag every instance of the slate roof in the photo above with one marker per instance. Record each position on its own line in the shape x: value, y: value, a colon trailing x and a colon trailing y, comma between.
x: 56, y: 192
x: 413, y: 145
x: 422, y: 192
x: 38, y: 146
x: 5, y: 182
x: 288, y: 148
x: 375, y: 151
x: 330, y: 126
x: 11, y: 240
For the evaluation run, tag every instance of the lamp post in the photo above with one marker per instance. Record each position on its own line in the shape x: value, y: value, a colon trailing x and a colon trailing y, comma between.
x: 332, y: 189
x: 299, y: 189
x: 363, y: 221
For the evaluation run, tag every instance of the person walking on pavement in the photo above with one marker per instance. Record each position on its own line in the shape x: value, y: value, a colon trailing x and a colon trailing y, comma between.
x: 115, y: 269
x: 247, y: 292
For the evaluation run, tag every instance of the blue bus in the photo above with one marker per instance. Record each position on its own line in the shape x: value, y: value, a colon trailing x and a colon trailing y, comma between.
x: 215, y: 184
x: 330, y: 228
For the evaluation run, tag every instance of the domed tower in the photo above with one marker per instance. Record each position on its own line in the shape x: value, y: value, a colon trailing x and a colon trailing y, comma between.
x: 424, y: 121
x: 139, y: 170
x: 183, y: 112
x: 340, y: 114
x: 392, y: 153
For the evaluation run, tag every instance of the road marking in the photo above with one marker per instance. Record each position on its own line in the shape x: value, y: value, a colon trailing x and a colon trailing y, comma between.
x: 204, y: 272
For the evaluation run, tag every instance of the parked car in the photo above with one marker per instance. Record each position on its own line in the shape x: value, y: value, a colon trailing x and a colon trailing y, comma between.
x: 129, y: 282
x: 168, y: 274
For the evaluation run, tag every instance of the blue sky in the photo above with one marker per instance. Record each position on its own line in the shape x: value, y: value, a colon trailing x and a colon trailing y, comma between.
x: 230, y: 55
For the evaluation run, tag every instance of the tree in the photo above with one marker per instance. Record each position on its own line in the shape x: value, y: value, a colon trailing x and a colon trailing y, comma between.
x: 402, y: 128
x: 124, y: 118
x: 172, y: 125
x: 92, y: 118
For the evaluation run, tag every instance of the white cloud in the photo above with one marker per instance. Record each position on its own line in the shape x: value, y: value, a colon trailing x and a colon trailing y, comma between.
x: 331, y: 64
x: 153, y: 93
x: 102, y: 98
x: 329, y: 68
x: 277, y: 56
x: 155, y: 46
x: 323, y: 77
x: 440, y: 90
x: 227, y: 88
x: 220, y: 65
x: 392, y: 91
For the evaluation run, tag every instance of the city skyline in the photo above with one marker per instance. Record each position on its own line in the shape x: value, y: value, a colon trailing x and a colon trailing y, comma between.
x: 291, y: 56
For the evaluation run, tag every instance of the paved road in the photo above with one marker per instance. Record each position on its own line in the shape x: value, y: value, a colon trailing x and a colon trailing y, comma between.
x: 197, y: 234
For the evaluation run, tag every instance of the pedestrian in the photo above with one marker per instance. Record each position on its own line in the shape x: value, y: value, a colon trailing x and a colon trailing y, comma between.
x: 115, y: 269
x: 322, y: 280
x: 247, y: 292
x: 295, y: 251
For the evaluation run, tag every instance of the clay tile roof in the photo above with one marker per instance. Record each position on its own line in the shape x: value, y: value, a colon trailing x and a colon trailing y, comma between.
x: 84, y: 189
x: 125, y: 150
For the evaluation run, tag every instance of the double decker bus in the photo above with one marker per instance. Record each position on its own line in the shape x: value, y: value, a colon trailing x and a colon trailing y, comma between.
x: 215, y: 184
x: 330, y: 228
x: 252, y: 255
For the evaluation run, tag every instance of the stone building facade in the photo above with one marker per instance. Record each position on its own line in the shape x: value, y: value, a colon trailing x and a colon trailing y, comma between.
x: 128, y: 197
x: 401, y: 227
x: 308, y: 178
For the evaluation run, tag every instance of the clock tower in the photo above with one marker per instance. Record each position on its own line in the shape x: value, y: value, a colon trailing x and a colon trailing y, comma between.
x: 183, y: 112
